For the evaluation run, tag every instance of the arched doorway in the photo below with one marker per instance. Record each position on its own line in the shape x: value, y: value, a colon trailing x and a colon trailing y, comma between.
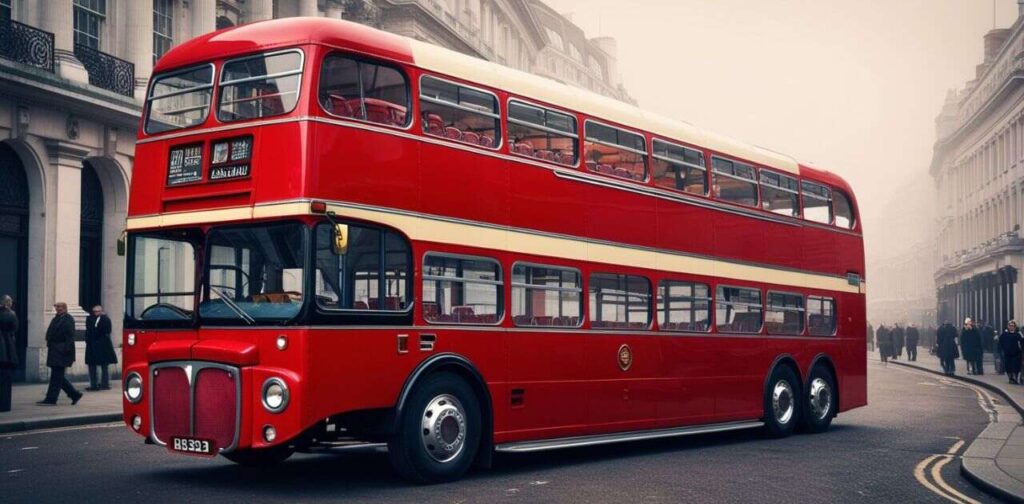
x: 14, y: 242
x: 90, y: 254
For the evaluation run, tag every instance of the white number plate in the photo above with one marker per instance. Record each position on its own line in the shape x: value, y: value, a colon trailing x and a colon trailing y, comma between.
x: 192, y: 446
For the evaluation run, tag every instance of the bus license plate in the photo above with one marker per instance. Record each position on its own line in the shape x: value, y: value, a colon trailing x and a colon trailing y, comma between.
x: 190, y: 446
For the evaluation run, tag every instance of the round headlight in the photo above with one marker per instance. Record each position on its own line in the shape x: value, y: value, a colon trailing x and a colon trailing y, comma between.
x: 275, y: 395
x: 133, y: 388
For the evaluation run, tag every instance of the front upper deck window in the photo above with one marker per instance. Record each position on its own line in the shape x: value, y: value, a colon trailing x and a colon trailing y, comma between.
x: 180, y: 99
x: 259, y: 86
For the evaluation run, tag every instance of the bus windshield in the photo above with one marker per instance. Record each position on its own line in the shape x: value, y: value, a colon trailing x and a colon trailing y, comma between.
x: 254, y: 274
x: 162, y: 273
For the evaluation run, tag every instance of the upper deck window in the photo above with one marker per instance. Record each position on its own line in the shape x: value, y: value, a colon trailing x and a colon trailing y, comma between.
x: 734, y: 181
x: 615, y: 152
x: 542, y: 133
x: 180, y: 99
x: 259, y: 86
x: 817, y: 202
x: 843, y: 210
x: 364, y: 90
x: 679, y: 168
x: 779, y: 194
x: 459, y: 113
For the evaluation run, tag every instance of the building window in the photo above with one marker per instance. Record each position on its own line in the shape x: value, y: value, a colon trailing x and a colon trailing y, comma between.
x: 817, y: 202
x: 163, y: 28
x: 5, y: 10
x: 821, y: 316
x: 734, y: 181
x: 619, y: 301
x: 461, y: 290
x: 684, y: 306
x: 779, y: 194
x: 843, y: 210
x: 371, y: 274
x: 785, y: 314
x: 541, y: 133
x: 460, y: 113
x: 679, y: 168
x: 546, y: 296
x: 364, y: 90
x: 738, y: 310
x: 89, y: 17
x: 615, y: 152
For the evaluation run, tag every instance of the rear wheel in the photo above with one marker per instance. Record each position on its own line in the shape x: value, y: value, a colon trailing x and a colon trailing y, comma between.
x: 781, y: 402
x: 262, y: 457
x: 439, y: 432
x: 819, y: 401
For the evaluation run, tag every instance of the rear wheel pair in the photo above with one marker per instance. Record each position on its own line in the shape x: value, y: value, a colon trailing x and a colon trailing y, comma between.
x: 788, y: 404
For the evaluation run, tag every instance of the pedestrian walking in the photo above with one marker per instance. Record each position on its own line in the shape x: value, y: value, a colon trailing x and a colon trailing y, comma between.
x: 8, y: 350
x: 60, y: 354
x: 987, y: 344
x: 912, y: 338
x: 884, y: 337
x: 945, y: 342
x: 99, y: 351
x: 871, y: 338
x: 970, y: 346
x: 898, y: 339
x: 1010, y: 347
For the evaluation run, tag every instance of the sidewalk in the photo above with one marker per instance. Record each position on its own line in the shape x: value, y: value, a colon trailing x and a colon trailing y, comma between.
x: 995, y: 460
x: 95, y: 407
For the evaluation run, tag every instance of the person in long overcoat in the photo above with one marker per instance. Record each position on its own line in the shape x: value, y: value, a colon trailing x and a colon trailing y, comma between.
x: 871, y: 338
x: 60, y: 355
x: 99, y: 350
x: 8, y: 350
x: 1010, y: 347
x: 884, y: 337
x: 912, y: 338
x: 897, y: 341
x: 970, y: 345
x: 945, y: 342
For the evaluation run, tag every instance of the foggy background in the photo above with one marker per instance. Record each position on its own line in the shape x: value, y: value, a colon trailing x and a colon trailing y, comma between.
x: 849, y: 86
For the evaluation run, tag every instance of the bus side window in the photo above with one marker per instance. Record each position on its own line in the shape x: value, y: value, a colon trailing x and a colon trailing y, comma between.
x: 619, y: 301
x: 363, y: 90
x: 738, y: 310
x: 679, y: 168
x: 357, y: 280
x: 460, y: 113
x: 817, y: 202
x: 843, y: 210
x: 821, y: 316
x: 615, y: 152
x: 785, y: 313
x: 734, y: 181
x: 461, y: 290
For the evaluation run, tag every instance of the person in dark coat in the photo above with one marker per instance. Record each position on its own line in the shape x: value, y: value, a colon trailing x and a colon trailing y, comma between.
x: 99, y: 351
x: 897, y: 341
x: 60, y: 355
x: 945, y: 342
x: 986, y: 344
x: 884, y: 338
x: 912, y: 338
x: 970, y: 345
x: 8, y: 350
x: 871, y: 338
x: 1011, y: 344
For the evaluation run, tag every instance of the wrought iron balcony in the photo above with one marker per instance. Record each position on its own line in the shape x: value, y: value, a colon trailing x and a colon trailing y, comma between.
x: 106, y: 71
x: 24, y: 44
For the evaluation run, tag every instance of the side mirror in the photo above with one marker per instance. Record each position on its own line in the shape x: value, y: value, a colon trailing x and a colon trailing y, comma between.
x: 122, y: 244
x: 339, y: 239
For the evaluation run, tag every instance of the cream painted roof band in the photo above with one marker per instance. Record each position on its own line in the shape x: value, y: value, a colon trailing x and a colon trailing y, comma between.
x: 425, y: 228
x: 445, y: 61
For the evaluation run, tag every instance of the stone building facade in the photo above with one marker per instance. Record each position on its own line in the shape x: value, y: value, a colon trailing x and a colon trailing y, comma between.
x: 73, y: 74
x: 978, y: 169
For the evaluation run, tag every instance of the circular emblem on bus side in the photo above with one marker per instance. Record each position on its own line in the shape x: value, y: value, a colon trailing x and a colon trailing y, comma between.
x: 625, y: 357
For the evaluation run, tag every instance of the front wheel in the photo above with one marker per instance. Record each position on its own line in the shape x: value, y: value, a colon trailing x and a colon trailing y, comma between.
x: 263, y: 457
x: 439, y: 431
x: 819, y: 401
x: 781, y: 402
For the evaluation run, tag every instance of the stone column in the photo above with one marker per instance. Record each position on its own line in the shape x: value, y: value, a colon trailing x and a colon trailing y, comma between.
x: 58, y: 18
x: 204, y: 17
x: 140, y: 42
x: 333, y: 9
x: 260, y: 10
x: 66, y: 164
x: 308, y: 8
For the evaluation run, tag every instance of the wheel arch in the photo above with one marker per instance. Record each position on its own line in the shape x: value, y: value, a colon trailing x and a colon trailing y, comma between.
x: 783, y: 360
x: 464, y: 368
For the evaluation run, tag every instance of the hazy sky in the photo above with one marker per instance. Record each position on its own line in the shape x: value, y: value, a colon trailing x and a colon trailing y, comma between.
x: 852, y: 86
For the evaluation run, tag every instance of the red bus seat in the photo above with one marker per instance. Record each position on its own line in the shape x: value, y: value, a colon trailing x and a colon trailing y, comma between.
x: 338, y: 105
x: 453, y: 133
x: 486, y: 141
x: 471, y: 137
x: 524, y: 148
x: 545, y: 154
x: 435, y: 125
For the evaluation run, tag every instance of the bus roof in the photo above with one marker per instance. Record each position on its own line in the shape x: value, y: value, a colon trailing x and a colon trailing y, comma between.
x: 278, y: 33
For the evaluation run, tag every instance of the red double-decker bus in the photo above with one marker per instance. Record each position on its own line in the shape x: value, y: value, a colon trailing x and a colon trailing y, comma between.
x: 338, y: 234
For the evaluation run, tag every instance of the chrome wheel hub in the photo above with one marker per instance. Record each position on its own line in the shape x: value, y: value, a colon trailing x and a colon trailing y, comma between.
x: 443, y: 428
x: 820, y: 398
x: 782, y: 402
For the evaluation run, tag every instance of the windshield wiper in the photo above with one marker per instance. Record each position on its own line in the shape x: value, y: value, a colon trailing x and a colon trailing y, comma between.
x: 234, y: 307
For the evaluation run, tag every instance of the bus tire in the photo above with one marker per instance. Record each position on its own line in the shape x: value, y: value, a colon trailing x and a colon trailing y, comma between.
x: 263, y: 457
x: 819, y: 401
x: 439, y: 432
x: 781, y: 402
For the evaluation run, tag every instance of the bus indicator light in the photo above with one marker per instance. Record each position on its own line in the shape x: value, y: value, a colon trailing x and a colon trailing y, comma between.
x: 318, y: 207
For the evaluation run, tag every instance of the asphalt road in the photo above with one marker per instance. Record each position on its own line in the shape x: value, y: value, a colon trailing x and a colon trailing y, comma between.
x: 869, y: 455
